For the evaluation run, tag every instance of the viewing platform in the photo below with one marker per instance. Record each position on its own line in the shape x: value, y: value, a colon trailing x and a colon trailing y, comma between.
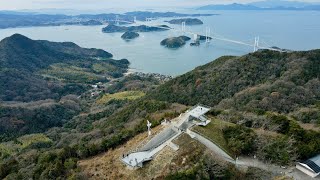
x: 178, y: 126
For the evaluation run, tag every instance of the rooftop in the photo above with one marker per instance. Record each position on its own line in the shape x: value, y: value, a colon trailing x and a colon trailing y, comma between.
x: 314, y: 163
x: 198, y: 111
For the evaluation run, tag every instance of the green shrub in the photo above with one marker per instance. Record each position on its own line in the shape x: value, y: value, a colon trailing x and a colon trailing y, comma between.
x: 239, y: 139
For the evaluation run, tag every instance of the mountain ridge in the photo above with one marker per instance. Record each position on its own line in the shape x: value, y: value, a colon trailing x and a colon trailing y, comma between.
x: 262, y: 6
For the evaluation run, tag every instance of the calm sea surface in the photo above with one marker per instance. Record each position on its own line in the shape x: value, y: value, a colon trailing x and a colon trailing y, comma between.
x: 285, y: 29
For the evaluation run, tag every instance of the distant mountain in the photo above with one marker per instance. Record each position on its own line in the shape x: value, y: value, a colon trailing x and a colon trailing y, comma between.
x: 279, y: 3
x: 11, y: 19
x: 234, y: 6
x: 265, y: 5
x: 35, y: 70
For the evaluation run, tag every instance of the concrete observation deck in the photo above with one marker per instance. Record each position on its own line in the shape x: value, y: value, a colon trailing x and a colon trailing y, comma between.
x: 165, y: 137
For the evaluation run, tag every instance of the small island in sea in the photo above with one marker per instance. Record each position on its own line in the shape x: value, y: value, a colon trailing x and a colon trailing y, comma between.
x: 142, y: 28
x: 91, y: 23
x: 188, y: 21
x: 175, y: 42
x: 130, y: 35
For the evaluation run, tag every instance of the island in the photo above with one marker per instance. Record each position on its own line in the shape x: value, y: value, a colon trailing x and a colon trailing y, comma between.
x: 129, y: 35
x: 91, y: 23
x: 175, y: 42
x: 12, y: 19
x: 111, y: 28
x: 203, y: 38
x: 188, y: 21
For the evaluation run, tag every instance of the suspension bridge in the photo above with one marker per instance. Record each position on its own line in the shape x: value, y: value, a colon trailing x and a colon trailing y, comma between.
x: 208, y: 34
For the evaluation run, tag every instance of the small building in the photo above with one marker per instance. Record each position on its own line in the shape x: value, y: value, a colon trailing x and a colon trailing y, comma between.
x: 198, y: 113
x: 310, y: 167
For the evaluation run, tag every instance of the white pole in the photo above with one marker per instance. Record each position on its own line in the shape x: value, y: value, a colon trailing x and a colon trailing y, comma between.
x: 149, y: 127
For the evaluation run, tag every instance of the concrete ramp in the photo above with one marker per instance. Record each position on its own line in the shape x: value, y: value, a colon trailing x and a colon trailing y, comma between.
x: 164, y: 138
x: 159, y: 139
x: 136, y: 159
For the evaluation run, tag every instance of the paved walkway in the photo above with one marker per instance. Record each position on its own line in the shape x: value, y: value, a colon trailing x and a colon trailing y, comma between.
x: 209, y: 144
x: 251, y: 162
x: 137, y: 158
x: 174, y: 130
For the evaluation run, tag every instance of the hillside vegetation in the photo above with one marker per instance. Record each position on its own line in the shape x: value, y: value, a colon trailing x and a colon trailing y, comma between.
x: 258, y: 82
x: 38, y: 70
x: 263, y: 91
x: 261, y: 102
x: 40, y: 82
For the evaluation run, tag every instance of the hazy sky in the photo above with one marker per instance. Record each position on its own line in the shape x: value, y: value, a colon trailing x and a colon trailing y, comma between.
x: 108, y: 4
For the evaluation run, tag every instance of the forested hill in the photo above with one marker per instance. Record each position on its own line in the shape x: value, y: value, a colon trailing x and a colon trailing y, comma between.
x: 37, y: 70
x: 20, y: 52
x: 260, y: 81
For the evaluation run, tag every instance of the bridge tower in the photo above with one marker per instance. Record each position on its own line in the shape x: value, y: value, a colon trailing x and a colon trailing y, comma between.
x: 208, y: 32
x: 195, y: 37
x: 117, y: 20
x: 256, y: 44
x: 183, y: 26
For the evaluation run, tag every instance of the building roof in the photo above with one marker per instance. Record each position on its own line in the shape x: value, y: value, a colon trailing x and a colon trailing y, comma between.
x: 198, y: 111
x: 314, y: 163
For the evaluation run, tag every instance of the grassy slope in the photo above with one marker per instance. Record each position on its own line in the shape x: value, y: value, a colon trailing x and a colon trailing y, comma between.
x: 21, y: 143
x: 125, y: 95
x: 213, y: 131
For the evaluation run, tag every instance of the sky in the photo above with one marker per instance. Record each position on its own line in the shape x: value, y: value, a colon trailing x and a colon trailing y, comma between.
x: 109, y: 4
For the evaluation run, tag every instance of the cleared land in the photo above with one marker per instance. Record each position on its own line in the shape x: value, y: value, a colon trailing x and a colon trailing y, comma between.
x: 129, y: 95
x: 23, y: 142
